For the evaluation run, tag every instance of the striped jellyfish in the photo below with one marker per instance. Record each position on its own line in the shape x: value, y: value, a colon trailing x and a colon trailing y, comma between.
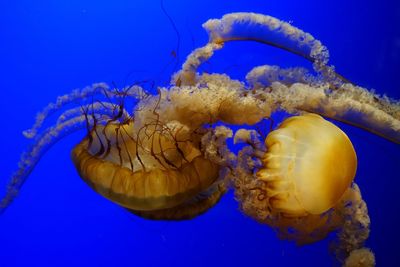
x: 168, y: 158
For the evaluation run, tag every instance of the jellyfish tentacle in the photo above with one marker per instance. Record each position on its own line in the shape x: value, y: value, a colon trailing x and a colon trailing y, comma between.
x: 103, y: 108
x: 78, y: 95
x: 274, y: 32
x: 264, y: 76
x: 269, y: 30
x: 68, y: 122
x: 187, y: 76
x: 350, y: 104
x: 294, y: 90
x: 263, y: 29
x: 61, y: 102
x: 353, y: 212
x: 30, y: 158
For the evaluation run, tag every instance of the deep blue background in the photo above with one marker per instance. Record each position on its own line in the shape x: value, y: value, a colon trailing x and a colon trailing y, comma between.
x: 49, y: 47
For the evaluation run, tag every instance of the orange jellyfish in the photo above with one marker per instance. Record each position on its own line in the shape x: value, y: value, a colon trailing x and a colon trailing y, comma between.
x: 157, y: 173
x: 308, y: 166
x: 303, y: 186
x: 169, y: 159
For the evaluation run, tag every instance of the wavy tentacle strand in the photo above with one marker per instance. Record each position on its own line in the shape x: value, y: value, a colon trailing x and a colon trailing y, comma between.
x: 187, y: 76
x: 295, y: 90
x: 264, y: 76
x: 263, y: 29
x: 78, y: 95
x: 105, y: 110
x: 360, y: 257
x: 216, y: 98
x: 273, y: 32
x: 32, y: 156
x: 351, y: 104
x: 61, y: 101
x: 269, y: 30
x: 355, y: 222
x: 215, y: 148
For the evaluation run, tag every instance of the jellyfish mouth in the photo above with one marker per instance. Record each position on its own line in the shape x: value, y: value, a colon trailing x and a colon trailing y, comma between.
x: 144, y: 190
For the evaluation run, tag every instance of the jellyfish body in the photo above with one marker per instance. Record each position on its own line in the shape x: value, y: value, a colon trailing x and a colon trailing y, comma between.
x: 308, y: 166
x: 148, y: 173
x: 304, y: 187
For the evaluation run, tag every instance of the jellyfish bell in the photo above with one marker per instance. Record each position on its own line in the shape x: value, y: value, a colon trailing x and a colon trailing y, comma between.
x: 156, y: 173
x: 308, y: 166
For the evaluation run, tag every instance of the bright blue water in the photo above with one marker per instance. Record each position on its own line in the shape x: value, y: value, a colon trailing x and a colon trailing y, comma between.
x: 48, y: 48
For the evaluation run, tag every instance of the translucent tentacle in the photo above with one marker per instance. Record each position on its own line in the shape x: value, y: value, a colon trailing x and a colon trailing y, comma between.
x: 355, y: 229
x: 61, y: 101
x: 103, y: 108
x: 187, y: 76
x: 31, y: 157
x: 264, y: 29
x: 69, y: 122
x: 79, y: 95
x: 263, y: 76
x: 350, y: 104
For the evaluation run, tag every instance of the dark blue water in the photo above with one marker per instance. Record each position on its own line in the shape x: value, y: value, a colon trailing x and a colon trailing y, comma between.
x: 48, y: 48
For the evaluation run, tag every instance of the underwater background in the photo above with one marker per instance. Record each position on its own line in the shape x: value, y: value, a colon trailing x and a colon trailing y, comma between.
x: 48, y: 48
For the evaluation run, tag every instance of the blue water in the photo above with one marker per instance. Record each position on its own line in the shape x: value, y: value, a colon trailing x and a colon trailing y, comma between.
x: 48, y: 48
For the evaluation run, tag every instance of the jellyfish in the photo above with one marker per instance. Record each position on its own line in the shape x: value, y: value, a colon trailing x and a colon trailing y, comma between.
x: 169, y: 159
x: 308, y: 166
x: 304, y: 185
x: 157, y: 171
